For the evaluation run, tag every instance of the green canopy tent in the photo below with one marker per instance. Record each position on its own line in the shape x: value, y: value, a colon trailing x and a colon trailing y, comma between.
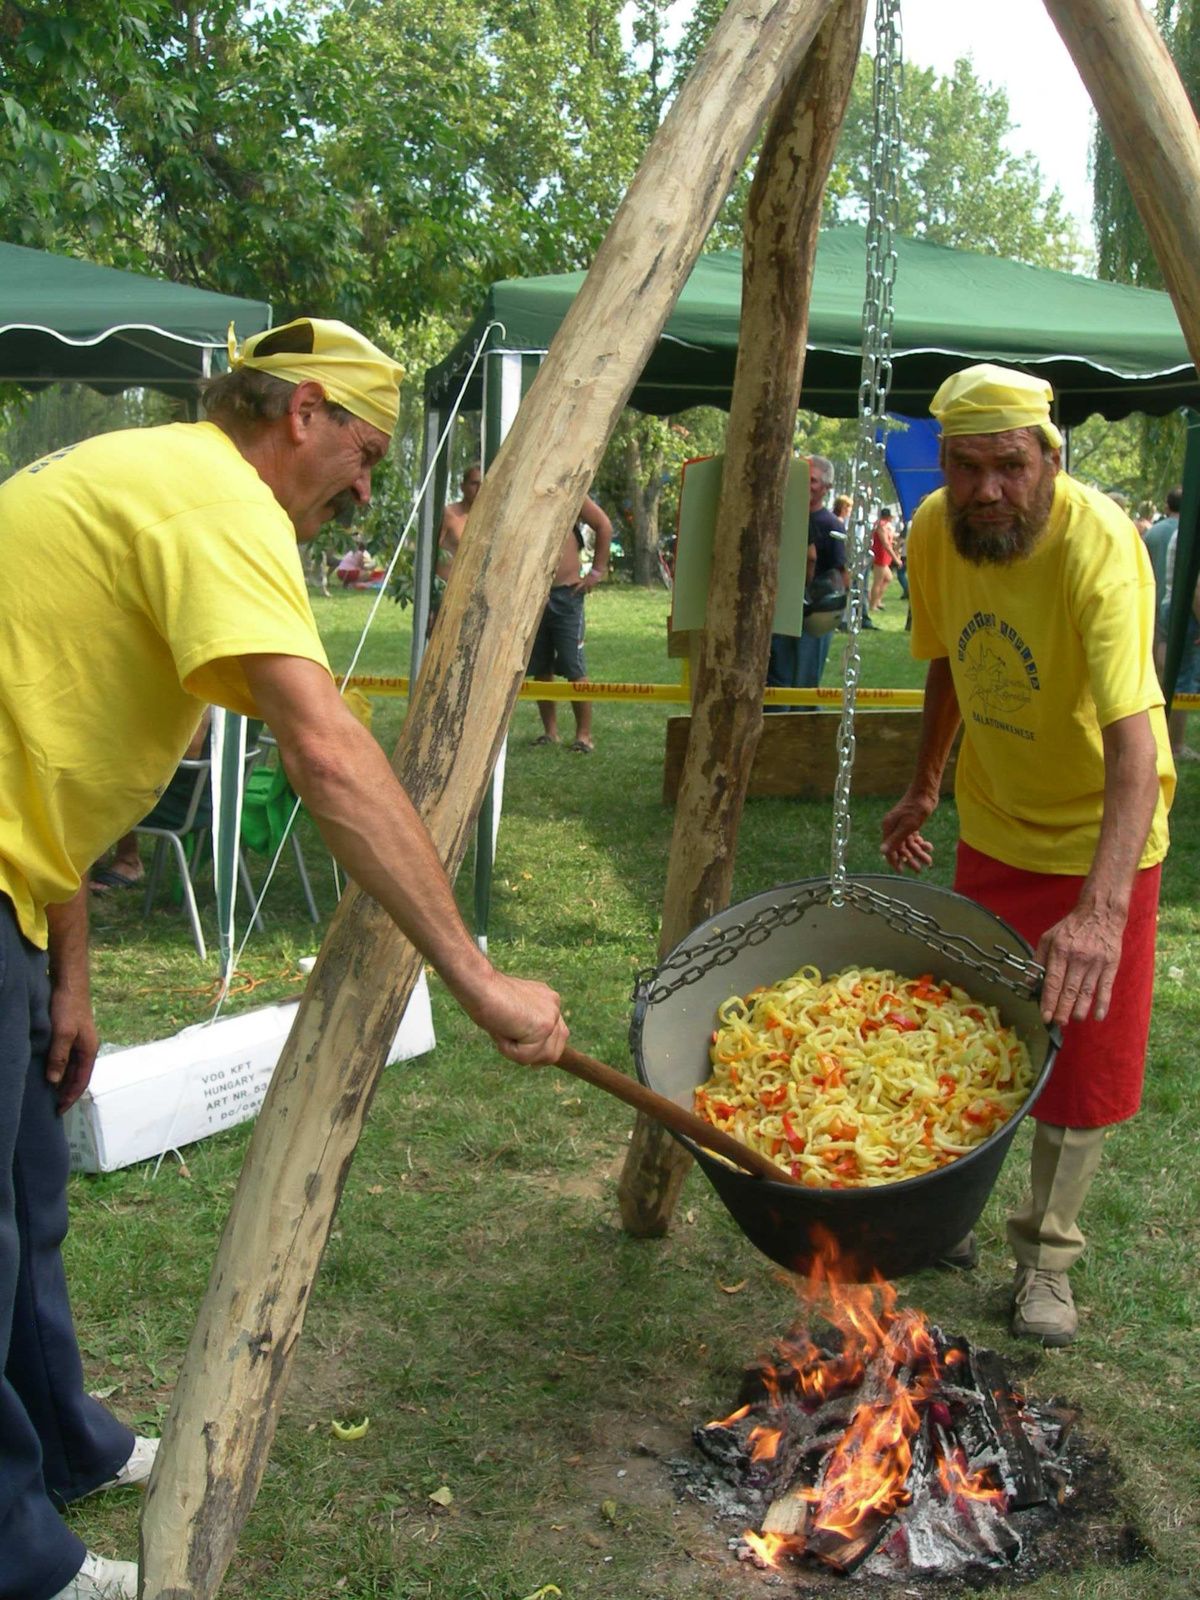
x: 68, y: 321
x: 1105, y: 348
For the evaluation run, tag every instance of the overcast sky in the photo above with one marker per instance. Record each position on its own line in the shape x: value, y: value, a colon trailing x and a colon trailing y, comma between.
x: 1014, y: 47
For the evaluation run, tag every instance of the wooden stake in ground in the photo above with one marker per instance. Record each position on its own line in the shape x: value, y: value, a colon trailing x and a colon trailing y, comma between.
x: 1146, y: 113
x: 782, y: 223
x: 226, y: 1402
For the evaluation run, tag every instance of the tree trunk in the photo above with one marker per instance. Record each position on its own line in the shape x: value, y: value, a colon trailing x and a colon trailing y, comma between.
x: 1146, y: 113
x: 227, y: 1400
x: 782, y: 223
x: 645, y: 493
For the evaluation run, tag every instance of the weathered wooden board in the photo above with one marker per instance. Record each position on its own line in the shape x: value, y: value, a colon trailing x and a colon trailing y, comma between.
x: 797, y: 755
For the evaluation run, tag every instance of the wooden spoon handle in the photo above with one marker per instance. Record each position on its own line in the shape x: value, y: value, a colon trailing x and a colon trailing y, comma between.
x: 666, y: 1111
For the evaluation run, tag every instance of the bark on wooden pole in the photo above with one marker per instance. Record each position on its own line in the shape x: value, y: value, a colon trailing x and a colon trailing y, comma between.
x: 226, y: 1402
x: 1146, y: 113
x: 782, y: 223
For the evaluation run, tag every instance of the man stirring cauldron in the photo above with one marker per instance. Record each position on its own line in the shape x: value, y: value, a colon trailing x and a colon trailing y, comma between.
x: 178, y: 581
x: 1033, y: 602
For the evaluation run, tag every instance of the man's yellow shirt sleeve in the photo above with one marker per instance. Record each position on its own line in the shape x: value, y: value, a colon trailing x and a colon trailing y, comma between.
x: 222, y: 582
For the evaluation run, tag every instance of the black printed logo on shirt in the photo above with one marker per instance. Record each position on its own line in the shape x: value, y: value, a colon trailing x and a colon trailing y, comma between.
x: 999, y: 669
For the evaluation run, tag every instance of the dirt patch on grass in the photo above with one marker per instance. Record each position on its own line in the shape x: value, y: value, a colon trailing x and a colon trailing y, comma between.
x: 598, y: 1184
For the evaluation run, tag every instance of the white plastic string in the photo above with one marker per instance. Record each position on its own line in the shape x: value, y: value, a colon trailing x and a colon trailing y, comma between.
x: 358, y: 649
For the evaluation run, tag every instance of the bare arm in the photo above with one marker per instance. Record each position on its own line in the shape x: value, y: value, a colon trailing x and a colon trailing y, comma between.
x: 73, y: 1038
x: 603, y: 529
x: 449, y: 535
x: 371, y: 827
x: 1082, y: 952
x: 903, y: 845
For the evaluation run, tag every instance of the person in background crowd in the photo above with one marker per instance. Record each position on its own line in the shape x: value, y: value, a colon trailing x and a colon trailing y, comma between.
x: 883, y: 554
x: 797, y: 663
x: 558, y: 643
x: 1033, y: 602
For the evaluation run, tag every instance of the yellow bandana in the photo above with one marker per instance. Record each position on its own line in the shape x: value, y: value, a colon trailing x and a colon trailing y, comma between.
x: 991, y: 399
x: 348, y: 367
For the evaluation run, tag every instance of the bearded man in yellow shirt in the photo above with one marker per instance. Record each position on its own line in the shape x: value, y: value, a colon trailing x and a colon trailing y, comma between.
x: 177, y: 582
x: 1033, y: 602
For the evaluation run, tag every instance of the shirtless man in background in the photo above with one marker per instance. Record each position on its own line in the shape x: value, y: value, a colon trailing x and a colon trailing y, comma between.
x: 454, y: 520
x: 558, y: 646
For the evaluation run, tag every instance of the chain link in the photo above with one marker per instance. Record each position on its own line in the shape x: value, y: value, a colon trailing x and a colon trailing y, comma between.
x: 684, y: 967
x: 882, y: 221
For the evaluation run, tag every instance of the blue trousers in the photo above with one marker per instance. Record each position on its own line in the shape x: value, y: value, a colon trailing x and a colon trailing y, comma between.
x: 56, y: 1443
x: 797, y: 663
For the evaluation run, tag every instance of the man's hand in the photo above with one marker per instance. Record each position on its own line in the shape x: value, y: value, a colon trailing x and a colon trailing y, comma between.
x: 73, y: 1044
x: 903, y: 845
x: 523, y: 1018
x: 1081, y: 955
x: 591, y: 580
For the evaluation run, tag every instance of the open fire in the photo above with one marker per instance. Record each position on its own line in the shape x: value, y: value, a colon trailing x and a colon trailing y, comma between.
x: 871, y: 1440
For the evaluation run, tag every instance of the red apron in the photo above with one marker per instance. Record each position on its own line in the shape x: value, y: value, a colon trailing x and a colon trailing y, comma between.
x: 1097, y: 1077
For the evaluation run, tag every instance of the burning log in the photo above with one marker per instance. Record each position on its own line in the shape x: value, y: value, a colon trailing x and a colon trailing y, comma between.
x: 1003, y: 1410
x: 873, y: 1438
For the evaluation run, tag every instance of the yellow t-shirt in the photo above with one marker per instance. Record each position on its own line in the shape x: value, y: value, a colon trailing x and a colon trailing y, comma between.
x: 137, y: 567
x: 1044, y: 654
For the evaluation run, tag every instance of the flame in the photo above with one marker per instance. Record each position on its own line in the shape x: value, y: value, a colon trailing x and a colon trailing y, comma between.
x: 869, y: 1468
x: 734, y: 1416
x: 866, y: 1476
x: 769, y: 1549
x: 765, y: 1442
x: 959, y: 1484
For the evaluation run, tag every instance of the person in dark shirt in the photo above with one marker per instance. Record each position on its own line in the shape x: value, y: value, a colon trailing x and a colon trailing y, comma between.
x: 797, y: 663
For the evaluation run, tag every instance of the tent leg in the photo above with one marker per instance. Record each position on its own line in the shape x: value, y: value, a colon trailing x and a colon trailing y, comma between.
x: 782, y: 222
x: 424, y: 554
x: 228, y: 1396
x: 302, y: 869
x: 251, y: 892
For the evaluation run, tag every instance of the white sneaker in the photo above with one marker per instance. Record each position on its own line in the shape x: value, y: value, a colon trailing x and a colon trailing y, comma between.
x: 135, y: 1474
x: 101, y: 1579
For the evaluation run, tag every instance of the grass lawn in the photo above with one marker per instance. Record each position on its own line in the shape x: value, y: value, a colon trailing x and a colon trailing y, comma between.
x: 478, y: 1300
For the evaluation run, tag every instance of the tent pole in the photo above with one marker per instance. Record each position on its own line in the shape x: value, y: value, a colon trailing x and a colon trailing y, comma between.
x: 227, y: 1399
x: 501, y: 400
x: 424, y: 555
x: 782, y: 223
x: 1145, y: 111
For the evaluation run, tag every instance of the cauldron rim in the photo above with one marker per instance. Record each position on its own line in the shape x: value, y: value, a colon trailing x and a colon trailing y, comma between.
x: 850, y: 1196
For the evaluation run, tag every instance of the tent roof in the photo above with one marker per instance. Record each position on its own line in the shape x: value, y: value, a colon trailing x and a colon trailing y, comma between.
x: 1104, y: 347
x: 67, y: 320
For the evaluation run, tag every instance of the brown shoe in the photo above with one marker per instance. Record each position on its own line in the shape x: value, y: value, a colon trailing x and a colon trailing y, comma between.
x: 1043, y: 1308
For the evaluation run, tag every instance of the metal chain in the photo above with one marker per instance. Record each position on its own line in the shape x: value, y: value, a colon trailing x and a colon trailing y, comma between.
x: 882, y: 220
x: 684, y: 967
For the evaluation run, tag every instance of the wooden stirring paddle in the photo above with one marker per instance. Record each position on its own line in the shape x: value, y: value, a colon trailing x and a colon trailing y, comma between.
x: 666, y: 1111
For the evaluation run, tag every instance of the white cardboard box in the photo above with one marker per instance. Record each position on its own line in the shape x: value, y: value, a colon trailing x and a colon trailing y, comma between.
x: 161, y: 1096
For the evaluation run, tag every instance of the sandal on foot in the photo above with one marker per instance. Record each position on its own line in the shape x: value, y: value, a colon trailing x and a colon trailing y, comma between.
x: 543, y: 738
x: 110, y: 878
x: 582, y: 749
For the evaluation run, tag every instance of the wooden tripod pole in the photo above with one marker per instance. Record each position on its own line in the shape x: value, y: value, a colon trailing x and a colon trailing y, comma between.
x: 780, y: 253
x: 1146, y: 113
x: 226, y: 1403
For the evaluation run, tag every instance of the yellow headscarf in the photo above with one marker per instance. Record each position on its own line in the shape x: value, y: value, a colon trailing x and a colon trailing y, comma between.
x: 991, y: 399
x: 348, y: 367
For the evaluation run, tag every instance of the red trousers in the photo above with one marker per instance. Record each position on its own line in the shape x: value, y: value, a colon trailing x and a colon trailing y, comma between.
x: 1097, y: 1077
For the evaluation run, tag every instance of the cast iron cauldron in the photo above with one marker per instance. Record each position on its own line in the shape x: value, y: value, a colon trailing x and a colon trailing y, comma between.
x: 895, y: 1227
